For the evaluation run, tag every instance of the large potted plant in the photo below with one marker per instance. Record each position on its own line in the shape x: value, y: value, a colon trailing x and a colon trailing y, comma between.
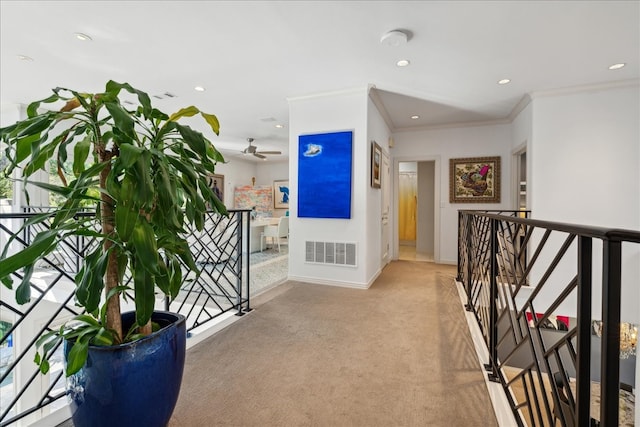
x: 150, y: 173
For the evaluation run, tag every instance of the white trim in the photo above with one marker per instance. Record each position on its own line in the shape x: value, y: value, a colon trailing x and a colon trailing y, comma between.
x: 585, y: 88
x: 196, y: 336
x: 495, y: 122
x: 338, y: 283
x: 375, y: 98
x: 515, y: 173
x: 499, y: 400
x: 521, y: 105
x: 339, y: 92
x: 54, y: 418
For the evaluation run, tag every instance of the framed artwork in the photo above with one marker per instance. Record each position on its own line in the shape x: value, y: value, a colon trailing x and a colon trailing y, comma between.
x: 376, y: 159
x: 324, y: 175
x: 474, y: 180
x: 216, y: 182
x: 281, y: 194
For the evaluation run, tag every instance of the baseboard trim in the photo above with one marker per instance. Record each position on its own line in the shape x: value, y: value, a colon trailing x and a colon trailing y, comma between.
x: 338, y: 283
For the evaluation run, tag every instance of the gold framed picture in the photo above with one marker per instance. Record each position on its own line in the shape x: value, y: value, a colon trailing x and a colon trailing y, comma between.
x: 474, y: 180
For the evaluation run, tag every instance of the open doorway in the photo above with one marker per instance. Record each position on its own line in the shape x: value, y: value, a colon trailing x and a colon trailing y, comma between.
x: 416, y: 218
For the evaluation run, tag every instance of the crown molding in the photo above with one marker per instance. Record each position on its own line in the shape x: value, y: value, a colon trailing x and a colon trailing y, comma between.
x: 521, y: 105
x: 585, y: 88
x: 363, y: 90
x: 504, y: 121
x: 375, y: 98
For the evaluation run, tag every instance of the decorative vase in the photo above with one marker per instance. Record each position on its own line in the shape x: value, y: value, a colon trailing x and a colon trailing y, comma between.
x: 133, y: 384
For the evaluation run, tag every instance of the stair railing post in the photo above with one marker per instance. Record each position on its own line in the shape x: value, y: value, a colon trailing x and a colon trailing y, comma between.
x: 583, y: 348
x: 460, y: 235
x: 493, y: 298
x: 239, y: 250
x: 610, y: 362
x: 468, y: 220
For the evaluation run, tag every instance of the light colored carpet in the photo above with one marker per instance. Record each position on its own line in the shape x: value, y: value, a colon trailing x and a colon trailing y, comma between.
x: 398, y: 354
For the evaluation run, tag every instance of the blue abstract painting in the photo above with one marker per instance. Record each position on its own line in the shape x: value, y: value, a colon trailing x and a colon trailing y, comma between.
x: 324, y: 175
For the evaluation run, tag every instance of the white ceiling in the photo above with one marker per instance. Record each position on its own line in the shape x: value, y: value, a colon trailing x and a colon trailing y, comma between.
x: 252, y: 56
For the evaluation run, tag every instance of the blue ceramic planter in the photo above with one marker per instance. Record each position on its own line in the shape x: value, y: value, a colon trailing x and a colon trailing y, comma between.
x: 134, y: 384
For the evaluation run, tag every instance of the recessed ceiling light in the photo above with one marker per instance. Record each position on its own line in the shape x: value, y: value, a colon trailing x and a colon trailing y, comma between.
x: 25, y: 58
x: 199, y: 88
x: 279, y: 126
x: 415, y: 117
x: 617, y: 66
x: 82, y: 36
x: 504, y: 81
x: 403, y: 63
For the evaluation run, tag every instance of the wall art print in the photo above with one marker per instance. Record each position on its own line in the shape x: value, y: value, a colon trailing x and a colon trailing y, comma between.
x: 474, y: 180
x: 256, y: 197
x: 216, y: 182
x: 324, y: 175
x: 376, y: 160
x: 281, y: 194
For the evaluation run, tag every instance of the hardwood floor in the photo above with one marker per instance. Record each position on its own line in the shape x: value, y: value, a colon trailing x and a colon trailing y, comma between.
x: 409, y: 253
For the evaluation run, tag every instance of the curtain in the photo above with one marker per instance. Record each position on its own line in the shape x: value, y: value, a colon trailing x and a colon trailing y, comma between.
x: 407, y: 209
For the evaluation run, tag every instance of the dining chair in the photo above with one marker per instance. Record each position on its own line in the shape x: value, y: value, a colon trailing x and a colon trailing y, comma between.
x: 275, y: 232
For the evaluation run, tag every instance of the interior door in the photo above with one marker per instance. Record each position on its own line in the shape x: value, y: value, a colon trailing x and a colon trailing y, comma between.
x: 385, y: 184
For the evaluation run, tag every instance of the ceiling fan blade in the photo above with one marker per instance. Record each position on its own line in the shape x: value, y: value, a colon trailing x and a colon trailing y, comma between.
x: 270, y: 152
x: 260, y: 156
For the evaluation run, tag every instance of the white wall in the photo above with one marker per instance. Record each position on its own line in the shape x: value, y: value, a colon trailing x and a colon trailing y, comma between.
x: 10, y: 114
x: 236, y: 172
x: 378, y: 131
x: 451, y: 143
x: 585, y: 157
x: 521, y: 128
x: 338, y: 111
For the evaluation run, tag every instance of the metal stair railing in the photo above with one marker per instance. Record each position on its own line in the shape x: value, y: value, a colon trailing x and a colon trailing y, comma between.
x: 221, y: 250
x: 519, y: 274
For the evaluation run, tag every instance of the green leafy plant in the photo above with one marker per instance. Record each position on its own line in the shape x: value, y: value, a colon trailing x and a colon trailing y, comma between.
x: 146, y: 174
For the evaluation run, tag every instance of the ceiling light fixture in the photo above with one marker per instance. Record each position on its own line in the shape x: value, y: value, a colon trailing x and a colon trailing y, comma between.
x: 199, y: 89
x: 504, y: 81
x: 403, y: 63
x: 394, y: 38
x: 415, y: 117
x: 279, y: 126
x: 617, y: 66
x: 83, y: 37
x: 25, y: 58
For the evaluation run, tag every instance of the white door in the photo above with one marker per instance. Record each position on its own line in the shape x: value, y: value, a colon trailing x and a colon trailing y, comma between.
x: 385, y: 184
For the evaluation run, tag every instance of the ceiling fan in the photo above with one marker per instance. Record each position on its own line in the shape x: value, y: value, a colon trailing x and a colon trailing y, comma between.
x: 252, y: 149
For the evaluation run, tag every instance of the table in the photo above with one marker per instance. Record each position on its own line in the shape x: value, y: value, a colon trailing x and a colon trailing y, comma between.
x: 257, y: 227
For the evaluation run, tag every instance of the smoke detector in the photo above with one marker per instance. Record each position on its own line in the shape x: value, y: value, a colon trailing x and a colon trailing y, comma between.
x: 394, y: 38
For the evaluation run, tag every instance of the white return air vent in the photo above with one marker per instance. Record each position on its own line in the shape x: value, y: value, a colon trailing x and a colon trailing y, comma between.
x: 333, y: 253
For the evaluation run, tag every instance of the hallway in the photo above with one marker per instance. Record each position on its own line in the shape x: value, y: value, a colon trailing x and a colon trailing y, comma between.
x: 398, y: 354
x: 409, y: 253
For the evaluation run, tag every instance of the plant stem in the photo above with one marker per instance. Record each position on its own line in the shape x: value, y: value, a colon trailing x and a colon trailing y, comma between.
x: 114, y: 316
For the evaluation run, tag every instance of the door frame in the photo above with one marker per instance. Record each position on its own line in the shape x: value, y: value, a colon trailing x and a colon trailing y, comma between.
x: 516, y: 153
x: 387, y: 228
x: 437, y: 204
